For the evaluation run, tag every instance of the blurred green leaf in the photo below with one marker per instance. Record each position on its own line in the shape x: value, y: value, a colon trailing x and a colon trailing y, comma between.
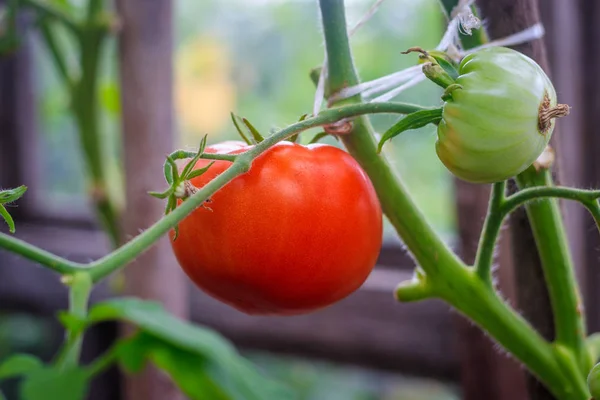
x: 52, y: 384
x: 167, y: 340
x: 19, y: 364
x: 191, y: 372
x: 2, y: 396
x: 110, y: 97
x: 10, y: 195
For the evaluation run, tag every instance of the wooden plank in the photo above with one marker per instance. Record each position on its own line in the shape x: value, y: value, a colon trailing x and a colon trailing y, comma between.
x: 588, y: 17
x: 503, y: 18
x: 485, y: 372
x: 146, y: 72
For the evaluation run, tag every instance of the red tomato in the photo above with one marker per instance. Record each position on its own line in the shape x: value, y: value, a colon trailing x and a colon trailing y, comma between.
x: 301, y: 230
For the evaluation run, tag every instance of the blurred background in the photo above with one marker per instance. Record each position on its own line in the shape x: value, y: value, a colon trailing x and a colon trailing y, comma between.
x: 252, y: 57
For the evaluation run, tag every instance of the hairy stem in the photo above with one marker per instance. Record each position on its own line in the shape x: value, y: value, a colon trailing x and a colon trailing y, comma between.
x: 105, y: 266
x: 549, y: 233
x: 79, y: 294
x: 491, y: 228
x: 450, y: 278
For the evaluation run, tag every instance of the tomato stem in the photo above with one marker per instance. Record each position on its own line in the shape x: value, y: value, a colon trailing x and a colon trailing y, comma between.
x: 79, y: 294
x: 549, y: 233
x: 491, y: 229
x: 103, y: 267
x: 448, y: 277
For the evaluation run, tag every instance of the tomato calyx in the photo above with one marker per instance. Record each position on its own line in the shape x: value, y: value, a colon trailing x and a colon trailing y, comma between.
x: 180, y: 187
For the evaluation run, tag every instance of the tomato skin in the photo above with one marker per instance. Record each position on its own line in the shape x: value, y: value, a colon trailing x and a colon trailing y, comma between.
x: 298, y: 232
x: 489, y: 130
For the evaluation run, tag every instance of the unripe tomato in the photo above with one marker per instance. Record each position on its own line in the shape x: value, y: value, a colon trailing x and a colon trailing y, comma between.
x: 301, y: 230
x: 502, y: 118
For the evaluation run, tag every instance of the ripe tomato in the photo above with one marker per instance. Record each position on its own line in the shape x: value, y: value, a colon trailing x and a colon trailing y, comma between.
x: 301, y: 230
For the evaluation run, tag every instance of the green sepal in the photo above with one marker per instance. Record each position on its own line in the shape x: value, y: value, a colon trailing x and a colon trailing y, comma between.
x: 238, y: 122
x: 449, y: 90
x: 194, y: 160
x: 438, y: 75
x: 255, y: 133
x: 172, y: 174
x: 200, y: 171
x: 445, y: 62
x: 436, y: 66
x: 412, y: 121
x: 320, y: 136
x: 161, y: 195
x: 10, y: 195
x: 11, y: 223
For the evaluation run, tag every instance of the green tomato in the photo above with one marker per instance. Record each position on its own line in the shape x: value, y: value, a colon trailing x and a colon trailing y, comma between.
x: 593, y: 381
x: 499, y: 118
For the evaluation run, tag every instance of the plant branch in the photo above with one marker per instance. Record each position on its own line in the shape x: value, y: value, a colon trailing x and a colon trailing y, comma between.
x: 491, y: 229
x: 79, y: 294
x: 103, y: 267
x: 559, y: 273
x: 54, y: 13
x: 449, y: 277
x: 55, y: 52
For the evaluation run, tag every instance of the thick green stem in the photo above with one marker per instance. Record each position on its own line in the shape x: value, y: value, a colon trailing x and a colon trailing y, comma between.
x: 427, y: 247
x: 84, y: 97
x: 103, y: 267
x: 79, y: 294
x: 491, y: 228
x: 450, y: 278
x: 549, y: 232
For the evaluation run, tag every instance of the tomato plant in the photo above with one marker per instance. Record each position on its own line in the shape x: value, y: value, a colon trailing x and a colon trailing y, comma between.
x: 279, y: 228
x: 299, y: 231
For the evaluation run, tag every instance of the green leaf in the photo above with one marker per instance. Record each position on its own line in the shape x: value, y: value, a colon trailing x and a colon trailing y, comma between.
x: 191, y: 372
x: 10, y: 195
x: 412, y: 121
x: 238, y: 122
x: 110, y: 97
x: 72, y: 322
x: 19, y: 364
x: 11, y: 223
x: 52, y: 384
x: 167, y: 340
x: 2, y: 396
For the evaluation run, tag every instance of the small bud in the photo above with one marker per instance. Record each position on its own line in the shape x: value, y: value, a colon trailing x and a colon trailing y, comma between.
x: 180, y: 191
x: 437, y: 74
